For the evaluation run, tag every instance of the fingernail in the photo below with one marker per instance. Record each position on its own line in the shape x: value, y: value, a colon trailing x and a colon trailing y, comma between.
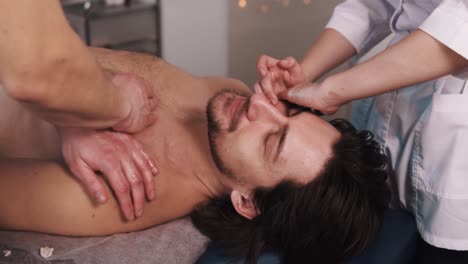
x: 274, y: 101
x: 100, y: 197
x: 151, y: 195
x: 154, y: 170
x: 139, y: 213
x: 131, y: 218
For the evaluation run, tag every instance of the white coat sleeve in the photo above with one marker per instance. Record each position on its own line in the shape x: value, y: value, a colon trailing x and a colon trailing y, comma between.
x: 448, y: 23
x: 363, y: 22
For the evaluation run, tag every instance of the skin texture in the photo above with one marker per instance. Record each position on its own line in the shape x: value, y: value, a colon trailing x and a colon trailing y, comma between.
x: 260, y: 144
x: 251, y: 153
x: 47, y: 69
x: 121, y: 160
x: 45, y: 66
x: 52, y: 201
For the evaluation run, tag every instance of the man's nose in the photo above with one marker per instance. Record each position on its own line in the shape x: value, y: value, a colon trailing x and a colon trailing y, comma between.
x: 260, y: 108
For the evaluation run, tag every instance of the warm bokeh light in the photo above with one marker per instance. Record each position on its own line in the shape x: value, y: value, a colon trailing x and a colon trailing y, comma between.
x: 264, y: 8
x: 307, y: 2
x: 242, y: 3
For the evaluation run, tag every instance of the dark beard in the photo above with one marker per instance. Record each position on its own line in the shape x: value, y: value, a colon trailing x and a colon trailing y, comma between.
x: 214, y: 129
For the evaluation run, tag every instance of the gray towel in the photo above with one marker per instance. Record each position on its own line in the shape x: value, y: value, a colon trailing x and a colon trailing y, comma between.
x: 176, y: 242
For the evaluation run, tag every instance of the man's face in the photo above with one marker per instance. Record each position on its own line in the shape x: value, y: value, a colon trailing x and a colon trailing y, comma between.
x: 259, y: 144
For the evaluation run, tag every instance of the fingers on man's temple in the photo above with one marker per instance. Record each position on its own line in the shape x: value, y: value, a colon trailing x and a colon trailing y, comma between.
x: 287, y: 77
x: 264, y: 62
x: 271, y: 62
x: 288, y: 62
x: 268, y: 90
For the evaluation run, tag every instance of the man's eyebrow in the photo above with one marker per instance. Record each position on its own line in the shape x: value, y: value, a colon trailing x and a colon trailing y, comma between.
x: 281, y: 142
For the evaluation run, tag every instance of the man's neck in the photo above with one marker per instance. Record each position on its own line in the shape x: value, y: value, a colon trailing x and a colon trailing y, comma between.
x: 212, y: 182
x: 206, y: 173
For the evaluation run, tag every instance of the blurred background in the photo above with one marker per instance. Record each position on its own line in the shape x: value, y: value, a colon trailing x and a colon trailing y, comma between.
x: 204, y: 37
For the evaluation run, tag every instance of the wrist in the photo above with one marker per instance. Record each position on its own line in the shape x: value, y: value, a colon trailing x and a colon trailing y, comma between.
x: 123, y: 107
x: 333, y: 92
x: 309, y: 74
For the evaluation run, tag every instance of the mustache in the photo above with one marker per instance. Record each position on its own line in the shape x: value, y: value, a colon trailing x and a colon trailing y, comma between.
x: 241, y: 110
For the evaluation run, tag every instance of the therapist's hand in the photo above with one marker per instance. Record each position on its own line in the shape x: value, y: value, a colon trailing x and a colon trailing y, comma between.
x: 278, y: 76
x: 120, y: 159
x: 140, y: 96
x: 313, y: 95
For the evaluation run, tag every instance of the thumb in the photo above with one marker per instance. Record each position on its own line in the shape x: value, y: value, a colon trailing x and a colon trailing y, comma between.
x: 300, y: 95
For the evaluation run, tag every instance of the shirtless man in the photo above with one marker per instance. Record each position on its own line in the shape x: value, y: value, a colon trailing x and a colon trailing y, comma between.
x: 46, y: 68
x: 255, y: 145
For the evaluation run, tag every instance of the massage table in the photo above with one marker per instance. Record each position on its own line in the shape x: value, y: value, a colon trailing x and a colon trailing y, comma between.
x: 176, y: 242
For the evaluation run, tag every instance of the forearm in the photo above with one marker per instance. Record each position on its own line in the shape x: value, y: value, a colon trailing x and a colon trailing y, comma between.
x: 78, y: 95
x: 44, y: 65
x: 329, y: 50
x: 415, y: 59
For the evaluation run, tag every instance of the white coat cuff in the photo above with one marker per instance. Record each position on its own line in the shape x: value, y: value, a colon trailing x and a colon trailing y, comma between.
x: 449, y: 25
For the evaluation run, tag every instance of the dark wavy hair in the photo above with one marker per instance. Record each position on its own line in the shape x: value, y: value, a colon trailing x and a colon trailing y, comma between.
x: 326, y: 221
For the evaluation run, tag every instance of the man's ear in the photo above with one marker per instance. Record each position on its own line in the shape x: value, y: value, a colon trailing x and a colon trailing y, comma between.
x: 244, y: 204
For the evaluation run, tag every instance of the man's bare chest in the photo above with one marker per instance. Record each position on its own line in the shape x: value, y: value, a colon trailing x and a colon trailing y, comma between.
x: 176, y: 146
